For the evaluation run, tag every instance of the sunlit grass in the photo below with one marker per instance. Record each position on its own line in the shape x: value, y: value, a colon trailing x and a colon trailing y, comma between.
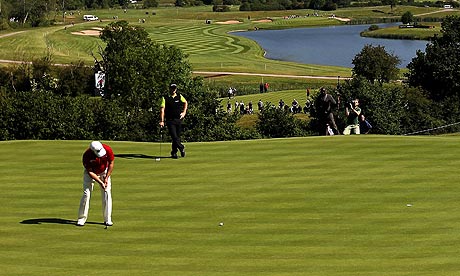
x: 355, y: 205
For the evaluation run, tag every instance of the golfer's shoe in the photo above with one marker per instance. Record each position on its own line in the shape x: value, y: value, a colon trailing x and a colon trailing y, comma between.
x: 182, y: 153
x: 80, y: 224
x: 107, y: 223
x: 174, y: 155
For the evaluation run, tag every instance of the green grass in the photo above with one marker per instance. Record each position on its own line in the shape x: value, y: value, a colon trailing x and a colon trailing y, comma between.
x: 251, y: 83
x: 211, y: 47
x: 299, y: 206
x: 406, y: 33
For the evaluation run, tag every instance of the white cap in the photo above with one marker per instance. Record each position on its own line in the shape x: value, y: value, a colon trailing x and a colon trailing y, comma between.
x: 97, y: 148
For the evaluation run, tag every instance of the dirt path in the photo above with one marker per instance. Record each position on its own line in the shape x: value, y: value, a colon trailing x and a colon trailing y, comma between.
x: 10, y: 34
x: 433, y: 12
x: 216, y: 74
x: 211, y: 74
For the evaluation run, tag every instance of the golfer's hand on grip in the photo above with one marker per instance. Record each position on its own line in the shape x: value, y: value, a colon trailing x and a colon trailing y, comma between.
x: 102, y: 183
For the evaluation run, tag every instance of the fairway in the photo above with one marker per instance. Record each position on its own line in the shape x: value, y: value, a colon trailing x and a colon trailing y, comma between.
x: 358, y: 205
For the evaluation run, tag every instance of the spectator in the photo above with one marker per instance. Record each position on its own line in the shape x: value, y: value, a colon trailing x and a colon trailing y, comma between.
x: 230, y: 93
x: 260, y: 105
x: 364, y: 125
x: 324, y: 105
x: 352, y: 111
x: 266, y: 86
x: 295, y: 107
x: 329, y: 131
x: 261, y: 87
x: 281, y: 104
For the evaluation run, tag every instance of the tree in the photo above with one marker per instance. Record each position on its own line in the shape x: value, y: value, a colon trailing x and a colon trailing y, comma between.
x: 317, y: 4
x: 275, y: 123
x: 75, y: 79
x: 407, y: 17
x: 32, y: 12
x: 374, y: 63
x: 138, y: 72
x: 150, y: 4
x: 437, y: 70
x: 5, y: 9
x: 138, y: 69
x: 382, y: 104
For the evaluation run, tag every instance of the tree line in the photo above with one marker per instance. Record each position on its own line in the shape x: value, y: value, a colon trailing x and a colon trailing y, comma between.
x: 39, y: 13
x: 40, y: 101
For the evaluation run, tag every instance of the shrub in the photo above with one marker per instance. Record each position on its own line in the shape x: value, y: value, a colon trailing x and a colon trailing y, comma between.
x: 276, y: 123
x: 373, y: 27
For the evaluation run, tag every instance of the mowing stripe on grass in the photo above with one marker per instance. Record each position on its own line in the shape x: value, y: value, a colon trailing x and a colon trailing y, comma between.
x: 299, y: 206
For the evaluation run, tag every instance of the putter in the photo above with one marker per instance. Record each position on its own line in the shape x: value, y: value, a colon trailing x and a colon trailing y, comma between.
x: 105, y: 195
x: 106, y: 199
x: 161, y: 142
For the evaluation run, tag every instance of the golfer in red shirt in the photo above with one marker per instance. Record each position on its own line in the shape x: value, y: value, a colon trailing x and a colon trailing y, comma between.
x: 98, y: 161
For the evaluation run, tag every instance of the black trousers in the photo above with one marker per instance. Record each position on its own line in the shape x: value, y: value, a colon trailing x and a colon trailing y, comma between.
x: 328, y: 119
x: 175, y: 129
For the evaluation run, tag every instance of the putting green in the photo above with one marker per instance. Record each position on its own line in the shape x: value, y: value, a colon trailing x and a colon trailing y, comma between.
x: 299, y: 206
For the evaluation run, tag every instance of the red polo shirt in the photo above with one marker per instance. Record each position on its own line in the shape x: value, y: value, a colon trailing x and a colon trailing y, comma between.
x: 98, y: 164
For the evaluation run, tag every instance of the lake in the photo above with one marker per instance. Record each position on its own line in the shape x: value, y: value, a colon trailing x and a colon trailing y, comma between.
x: 336, y: 45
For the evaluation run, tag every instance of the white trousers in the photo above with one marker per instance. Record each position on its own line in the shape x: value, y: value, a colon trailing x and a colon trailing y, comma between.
x: 349, y: 128
x: 88, y: 185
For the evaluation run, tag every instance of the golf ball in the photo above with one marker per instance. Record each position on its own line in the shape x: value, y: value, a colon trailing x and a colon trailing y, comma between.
x: 221, y: 224
x: 409, y: 205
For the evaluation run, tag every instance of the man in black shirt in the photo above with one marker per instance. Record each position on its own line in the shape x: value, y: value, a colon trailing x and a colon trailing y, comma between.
x: 173, y: 109
x: 325, y: 104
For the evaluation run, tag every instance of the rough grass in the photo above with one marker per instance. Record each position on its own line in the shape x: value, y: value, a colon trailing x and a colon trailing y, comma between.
x: 300, y: 206
x: 406, y: 33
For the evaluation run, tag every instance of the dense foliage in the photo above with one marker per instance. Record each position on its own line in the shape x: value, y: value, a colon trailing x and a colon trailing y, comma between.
x: 275, y: 123
x: 41, y: 101
x: 390, y: 108
x: 407, y: 18
x: 374, y: 63
x: 36, y: 105
x: 437, y: 70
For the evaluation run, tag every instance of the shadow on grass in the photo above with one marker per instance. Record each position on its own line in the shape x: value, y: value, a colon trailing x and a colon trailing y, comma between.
x: 55, y: 221
x: 137, y: 155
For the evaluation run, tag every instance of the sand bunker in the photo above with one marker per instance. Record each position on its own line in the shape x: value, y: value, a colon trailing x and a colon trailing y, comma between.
x: 342, y: 19
x: 96, y: 31
x: 229, y: 22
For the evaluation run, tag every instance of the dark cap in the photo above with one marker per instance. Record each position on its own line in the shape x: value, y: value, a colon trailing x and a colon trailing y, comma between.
x: 173, y: 85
